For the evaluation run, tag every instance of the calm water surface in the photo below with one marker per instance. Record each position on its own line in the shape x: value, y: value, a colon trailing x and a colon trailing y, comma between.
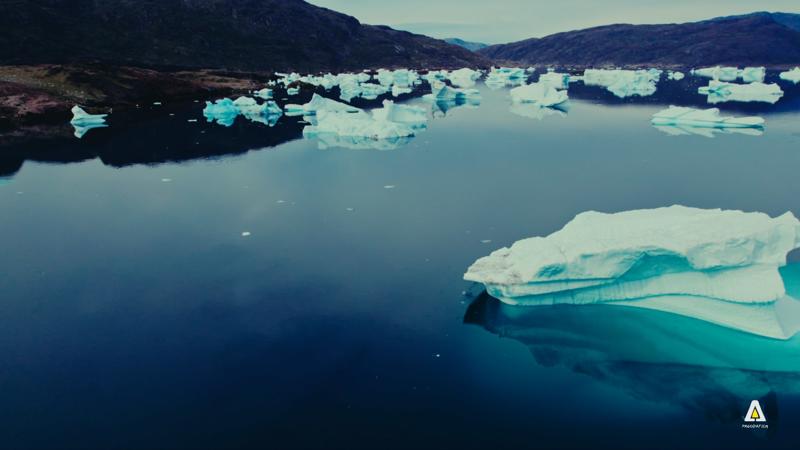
x: 135, y: 313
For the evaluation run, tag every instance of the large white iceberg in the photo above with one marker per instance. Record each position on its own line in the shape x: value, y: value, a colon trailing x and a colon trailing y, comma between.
x: 463, y: 78
x: 719, y: 91
x: 542, y: 94
x: 555, y: 79
x: 624, y: 83
x: 791, y: 75
x: 704, y: 118
x: 689, y: 253
x: 360, y: 125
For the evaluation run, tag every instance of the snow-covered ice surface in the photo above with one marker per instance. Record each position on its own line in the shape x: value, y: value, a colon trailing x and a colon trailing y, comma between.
x: 674, y: 252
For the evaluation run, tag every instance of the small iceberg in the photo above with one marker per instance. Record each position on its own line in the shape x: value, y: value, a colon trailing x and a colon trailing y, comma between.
x: 441, y: 91
x: 225, y: 111
x: 222, y: 111
x: 356, y: 125
x: 719, y: 92
x: 703, y: 118
x: 398, y: 90
x: 81, y: 117
x: 542, y: 94
x: 505, y: 76
x: 264, y: 94
x: 675, y: 76
x: 292, y: 91
x: 319, y: 103
x: 791, y: 75
x: 718, y: 73
x: 371, y: 91
x: 463, y: 78
x: 683, y: 260
x: 624, y: 83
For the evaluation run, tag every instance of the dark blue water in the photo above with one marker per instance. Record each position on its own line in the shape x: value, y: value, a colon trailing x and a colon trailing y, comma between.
x: 135, y: 314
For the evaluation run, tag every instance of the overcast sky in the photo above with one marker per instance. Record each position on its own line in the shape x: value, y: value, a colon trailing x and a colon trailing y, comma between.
x: 500, y: 21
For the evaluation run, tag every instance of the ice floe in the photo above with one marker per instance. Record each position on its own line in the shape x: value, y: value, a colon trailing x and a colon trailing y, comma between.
x: 264, y: 94
x: 541, y: 93
x: 441, y: 91
x: 720, y: 91
x: 791, y: 75
x: 624, y: 83
x: 318, y: 103
x: 675, y: 75
x: 677, y: 259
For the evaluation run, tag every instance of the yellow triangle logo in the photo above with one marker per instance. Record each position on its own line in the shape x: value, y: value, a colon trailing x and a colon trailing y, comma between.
x: 755, y: 414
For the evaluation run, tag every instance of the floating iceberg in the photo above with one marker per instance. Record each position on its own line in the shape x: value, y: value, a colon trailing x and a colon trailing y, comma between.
x: 685, y: 260
x: 292, y: 91
x: 675, y: 76
x: 791, y: 75
x: 264, y: 94
x: 441, y: 91
x: 414, y: 116
x: 225, y: 111
x: 398, y: 90
x: 748, y: 74
x: 703, y: 118
x: 542, y: 94
x: 555, y: 79
x: 464, y: 78
x: 360, y: 125
x: 719, y: 91
x: 82, y: 118
x: 371, y: 91
x: 504, y: 76
x: 319, y: 103
x: 81, y: 130
x: 399, y: 77
x: 624, y: 83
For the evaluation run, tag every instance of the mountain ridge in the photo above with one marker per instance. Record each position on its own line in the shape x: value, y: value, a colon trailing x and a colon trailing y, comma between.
x: 756, y: 38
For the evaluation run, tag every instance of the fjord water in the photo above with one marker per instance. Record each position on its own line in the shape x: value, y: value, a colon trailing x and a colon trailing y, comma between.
x: 293, y: 297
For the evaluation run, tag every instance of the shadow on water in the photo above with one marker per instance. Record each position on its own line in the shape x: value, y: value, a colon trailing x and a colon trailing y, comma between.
x: 657, y: 356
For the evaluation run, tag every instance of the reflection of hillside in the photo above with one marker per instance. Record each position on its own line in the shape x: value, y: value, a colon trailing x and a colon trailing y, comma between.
x: 151, y: 140
x: 652, y: 355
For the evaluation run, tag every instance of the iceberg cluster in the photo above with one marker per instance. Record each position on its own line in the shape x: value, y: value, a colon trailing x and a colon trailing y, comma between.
x: 506, y: 76
x: 791, y: 75
x: 624, y: 83
x: 748, y: 74
x: 225, y: 111
x: 685, y: 260
x: 720, y: 91
x: 383, y: 128
x: 542, y: 94
x: 83, y: 122
x: 679, y: 120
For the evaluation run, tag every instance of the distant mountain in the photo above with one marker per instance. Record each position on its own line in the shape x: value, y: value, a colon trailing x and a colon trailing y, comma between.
x: 221, y: 34
x: 771, y: 39
x: 471, y: 46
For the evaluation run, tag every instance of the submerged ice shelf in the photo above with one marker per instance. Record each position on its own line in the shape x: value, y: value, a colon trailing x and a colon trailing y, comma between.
x: 683, y: 260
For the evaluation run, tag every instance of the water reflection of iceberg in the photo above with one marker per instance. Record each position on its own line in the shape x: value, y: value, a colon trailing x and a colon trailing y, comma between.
x: 536, y: 111
x: 653, y: 355
x: 82, y: 129
x: 331, y: 140
x: 684, y: 130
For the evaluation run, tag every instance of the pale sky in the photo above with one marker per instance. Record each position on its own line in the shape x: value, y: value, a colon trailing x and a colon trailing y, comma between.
x: 500, y: 21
